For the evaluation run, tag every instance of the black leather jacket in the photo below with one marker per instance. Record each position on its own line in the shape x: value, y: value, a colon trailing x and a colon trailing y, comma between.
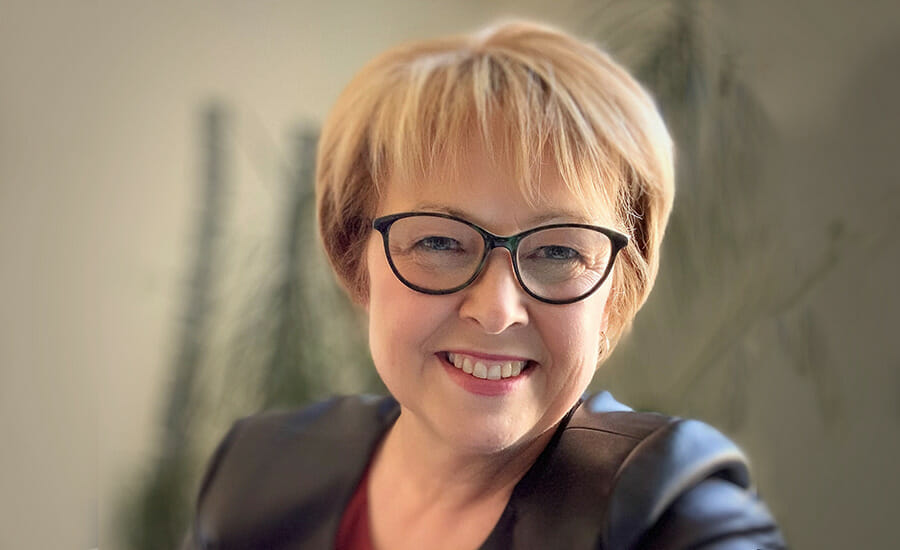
x: 610, y: 479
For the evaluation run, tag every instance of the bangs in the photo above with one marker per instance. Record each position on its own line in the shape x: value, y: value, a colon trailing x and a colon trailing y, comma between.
x: 521, y: 114
x: 530, y: 98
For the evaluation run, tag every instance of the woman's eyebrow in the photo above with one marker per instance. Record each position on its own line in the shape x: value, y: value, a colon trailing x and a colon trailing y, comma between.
x: 442, y: 209
x: 567, y: 216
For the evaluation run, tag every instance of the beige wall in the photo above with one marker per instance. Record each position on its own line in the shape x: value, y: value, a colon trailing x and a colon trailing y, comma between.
x: 98, y: 188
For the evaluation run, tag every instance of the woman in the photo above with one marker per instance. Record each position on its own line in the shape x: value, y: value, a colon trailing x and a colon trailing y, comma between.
x: 496, y: 203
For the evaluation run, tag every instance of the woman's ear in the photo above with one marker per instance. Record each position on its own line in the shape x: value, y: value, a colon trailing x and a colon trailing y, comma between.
x: 604, y: 328
x: 609, y: 304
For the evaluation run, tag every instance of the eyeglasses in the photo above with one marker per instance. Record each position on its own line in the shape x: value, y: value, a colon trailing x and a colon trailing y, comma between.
x: 437, y: 253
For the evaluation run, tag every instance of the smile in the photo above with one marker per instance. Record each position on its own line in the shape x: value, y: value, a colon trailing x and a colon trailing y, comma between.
x: 485, y: 368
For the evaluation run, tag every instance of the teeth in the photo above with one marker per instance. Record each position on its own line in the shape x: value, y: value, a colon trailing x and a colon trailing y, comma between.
x: 516, y: 368
x: 483, y: 370
x: 467, y: 366
x: 480, y: 370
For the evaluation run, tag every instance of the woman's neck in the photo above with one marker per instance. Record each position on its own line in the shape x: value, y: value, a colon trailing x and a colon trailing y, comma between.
x: 422, y: 485
x: 432, y: 464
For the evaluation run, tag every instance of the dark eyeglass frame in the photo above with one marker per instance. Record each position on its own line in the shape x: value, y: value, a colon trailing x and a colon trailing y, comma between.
x: 511, y: 243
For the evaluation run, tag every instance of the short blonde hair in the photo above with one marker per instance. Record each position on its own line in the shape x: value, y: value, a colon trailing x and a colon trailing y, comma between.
x: 533, y: 92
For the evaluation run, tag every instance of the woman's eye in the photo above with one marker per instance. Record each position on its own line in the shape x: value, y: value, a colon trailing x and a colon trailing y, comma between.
x: 440, y: 244
x: 554, y: 252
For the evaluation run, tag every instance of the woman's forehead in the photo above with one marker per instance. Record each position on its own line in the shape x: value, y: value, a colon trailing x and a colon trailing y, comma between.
x: 486, y: 196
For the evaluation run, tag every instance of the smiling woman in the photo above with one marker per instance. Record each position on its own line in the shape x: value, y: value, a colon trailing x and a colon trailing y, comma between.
x: 496, y: 204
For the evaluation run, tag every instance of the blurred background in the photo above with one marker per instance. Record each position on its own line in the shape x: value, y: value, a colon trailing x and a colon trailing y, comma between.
x: 160, y: 277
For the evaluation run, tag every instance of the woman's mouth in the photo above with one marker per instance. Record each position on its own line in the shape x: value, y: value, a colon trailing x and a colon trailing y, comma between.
x: 486, y: 369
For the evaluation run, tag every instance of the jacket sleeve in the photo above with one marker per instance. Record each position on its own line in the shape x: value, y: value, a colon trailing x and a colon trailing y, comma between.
x: 283, y: 479
x: 716, y: 514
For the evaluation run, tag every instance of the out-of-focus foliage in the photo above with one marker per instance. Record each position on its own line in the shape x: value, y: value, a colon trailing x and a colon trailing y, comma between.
x: 158, y: 510
x: 725, y: 283
x: 296, y: 338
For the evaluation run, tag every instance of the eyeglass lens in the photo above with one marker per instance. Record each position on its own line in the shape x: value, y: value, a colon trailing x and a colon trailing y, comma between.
x: 440, y: 254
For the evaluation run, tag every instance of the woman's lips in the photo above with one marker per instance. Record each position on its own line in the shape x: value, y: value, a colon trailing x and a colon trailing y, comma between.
x: 486, y: 386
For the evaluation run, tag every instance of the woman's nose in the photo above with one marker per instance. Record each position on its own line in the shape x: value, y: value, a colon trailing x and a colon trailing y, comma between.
x: 495, y: 301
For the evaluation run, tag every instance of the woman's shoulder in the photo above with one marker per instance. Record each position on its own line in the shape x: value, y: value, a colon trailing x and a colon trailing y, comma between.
x: 650, y: 449
x: 329, y: 427
x: 308, y: 459
x: 347, y: 412
x: 316, y: 433
x: 657, y: 480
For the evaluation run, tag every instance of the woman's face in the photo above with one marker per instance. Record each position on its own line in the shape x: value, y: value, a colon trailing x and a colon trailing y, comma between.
x: 493, y: 321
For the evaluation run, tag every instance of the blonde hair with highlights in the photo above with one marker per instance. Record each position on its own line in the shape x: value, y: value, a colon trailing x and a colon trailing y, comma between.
x: 533, y: 93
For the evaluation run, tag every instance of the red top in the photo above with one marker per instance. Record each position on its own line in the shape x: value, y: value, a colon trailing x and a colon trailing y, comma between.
x: 353, y: 532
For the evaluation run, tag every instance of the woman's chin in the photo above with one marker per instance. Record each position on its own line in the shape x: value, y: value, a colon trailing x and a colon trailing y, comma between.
x: 489, y: 437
